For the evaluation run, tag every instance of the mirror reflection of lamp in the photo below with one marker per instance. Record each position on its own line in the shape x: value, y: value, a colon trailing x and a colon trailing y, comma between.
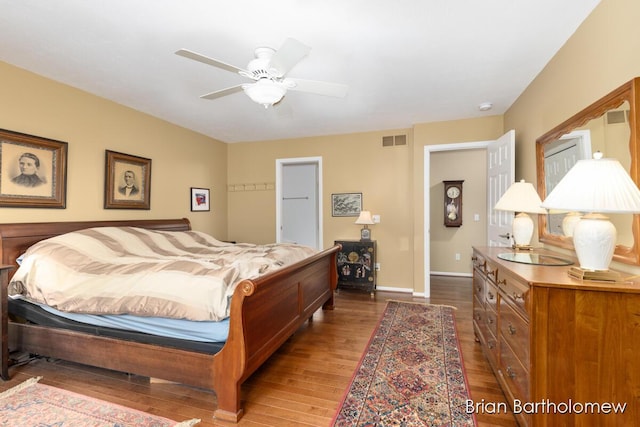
x: 596, y: 186
x: 366, y: 220
x: 522, y: 199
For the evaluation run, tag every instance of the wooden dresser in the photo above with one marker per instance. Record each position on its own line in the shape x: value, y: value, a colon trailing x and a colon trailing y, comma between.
x: 565, y: 352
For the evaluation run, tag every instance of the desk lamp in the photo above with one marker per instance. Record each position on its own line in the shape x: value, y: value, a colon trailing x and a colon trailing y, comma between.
x: 523, y: 199
x: 596, y: 186
x: 366, y: 220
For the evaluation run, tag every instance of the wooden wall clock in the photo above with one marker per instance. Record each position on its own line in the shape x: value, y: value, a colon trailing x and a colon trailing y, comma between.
x: 453, y: 203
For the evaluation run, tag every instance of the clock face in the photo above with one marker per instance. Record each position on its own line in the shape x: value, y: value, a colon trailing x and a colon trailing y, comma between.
x: 453, y: 192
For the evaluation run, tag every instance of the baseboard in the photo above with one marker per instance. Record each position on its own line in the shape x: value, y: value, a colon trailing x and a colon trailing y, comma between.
x: 390, y: 289
x: 449, y: 273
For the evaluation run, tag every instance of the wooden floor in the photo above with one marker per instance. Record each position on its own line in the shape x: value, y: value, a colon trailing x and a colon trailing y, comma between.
x: 301, y: 384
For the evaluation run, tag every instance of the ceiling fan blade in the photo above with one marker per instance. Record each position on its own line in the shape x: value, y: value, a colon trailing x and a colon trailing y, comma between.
x: 210, y: 61
x: 290, y: 53
x: 319, y: 88
x: 223, y: 92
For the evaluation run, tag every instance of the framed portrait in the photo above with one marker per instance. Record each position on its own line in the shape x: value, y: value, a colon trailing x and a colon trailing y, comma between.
x: 346, y: 204
x: 200, y: 200
x: 127, y: 181
x: 33, y: 171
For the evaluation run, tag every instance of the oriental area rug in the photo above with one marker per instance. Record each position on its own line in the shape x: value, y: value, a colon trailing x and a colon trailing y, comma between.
x: 411, y: 373
x: 33, y: 404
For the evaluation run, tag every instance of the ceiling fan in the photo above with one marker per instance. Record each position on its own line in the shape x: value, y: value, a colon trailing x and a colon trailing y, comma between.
x: 268, y: 70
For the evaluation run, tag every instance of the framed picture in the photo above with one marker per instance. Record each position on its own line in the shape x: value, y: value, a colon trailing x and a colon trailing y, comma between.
x: 33, y: 171
x: 346, y: 204
x: 127, y: 181
x: 200, y: 200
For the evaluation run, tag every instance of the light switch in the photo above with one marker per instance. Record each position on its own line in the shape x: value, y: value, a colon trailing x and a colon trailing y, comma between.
x: 476, y: 217
x: 376, y: 219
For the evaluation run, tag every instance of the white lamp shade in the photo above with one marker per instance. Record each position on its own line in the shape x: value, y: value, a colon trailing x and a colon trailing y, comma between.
x: 520, y: 197
x: 365, y: 218
x: 595, y: 185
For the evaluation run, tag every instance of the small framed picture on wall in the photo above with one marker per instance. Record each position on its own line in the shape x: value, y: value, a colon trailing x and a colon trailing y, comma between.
x: 346, y: 204
x: 200, y: 200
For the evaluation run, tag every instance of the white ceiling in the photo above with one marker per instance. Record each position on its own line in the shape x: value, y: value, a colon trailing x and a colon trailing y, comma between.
x: 405, y: 61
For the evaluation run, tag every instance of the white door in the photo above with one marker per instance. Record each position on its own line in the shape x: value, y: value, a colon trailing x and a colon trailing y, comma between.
x: 298, y: 202
x: 501, y: 170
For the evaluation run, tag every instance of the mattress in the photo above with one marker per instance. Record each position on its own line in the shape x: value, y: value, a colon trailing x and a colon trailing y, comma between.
x: 169, y: 334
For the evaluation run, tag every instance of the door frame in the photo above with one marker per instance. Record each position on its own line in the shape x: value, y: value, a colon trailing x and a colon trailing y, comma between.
x: 428, y: 149
x: 280, y: 164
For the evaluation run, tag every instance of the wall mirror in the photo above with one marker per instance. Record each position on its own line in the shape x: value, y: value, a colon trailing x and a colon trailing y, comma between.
x: 609, y: 125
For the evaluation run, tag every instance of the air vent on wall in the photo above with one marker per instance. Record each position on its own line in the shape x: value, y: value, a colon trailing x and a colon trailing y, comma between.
x: 618, y: 116
x: 389, y: 141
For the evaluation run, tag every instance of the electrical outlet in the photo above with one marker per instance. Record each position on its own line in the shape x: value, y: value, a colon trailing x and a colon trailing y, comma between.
x: 377, y: 266
x: 457, y: 257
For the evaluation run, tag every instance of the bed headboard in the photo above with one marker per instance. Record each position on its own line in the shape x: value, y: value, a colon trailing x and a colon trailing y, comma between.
x: 17, y: 237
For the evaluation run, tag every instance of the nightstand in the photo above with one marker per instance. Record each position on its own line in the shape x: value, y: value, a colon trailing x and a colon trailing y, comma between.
x: 357, y: 265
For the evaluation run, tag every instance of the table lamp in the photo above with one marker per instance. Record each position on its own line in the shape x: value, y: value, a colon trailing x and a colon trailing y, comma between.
x: 366, y: 220
x: 523, y: 199
x: 596, y: 186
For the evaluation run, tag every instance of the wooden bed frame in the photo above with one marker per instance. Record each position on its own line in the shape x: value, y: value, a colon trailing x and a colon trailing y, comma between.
x: 265, y: 312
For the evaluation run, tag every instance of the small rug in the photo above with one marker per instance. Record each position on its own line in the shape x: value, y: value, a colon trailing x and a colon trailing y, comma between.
x: 33, y: 404
x: 411, y: 373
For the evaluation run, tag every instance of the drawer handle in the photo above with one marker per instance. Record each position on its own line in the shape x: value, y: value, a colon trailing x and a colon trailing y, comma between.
x: 512, y: 329
x: 490, y: 295
x: 517, y: 296
x: 490, y: 321
x: 491, y: 345
x: 491, y: 273
x: 510, y: 372
x: 479, y: 288
x: 478, y: 316
x: 502, y: 282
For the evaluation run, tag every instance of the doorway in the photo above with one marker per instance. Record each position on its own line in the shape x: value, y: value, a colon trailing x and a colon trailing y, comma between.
x: 299, y: 201
x: 508, y: 156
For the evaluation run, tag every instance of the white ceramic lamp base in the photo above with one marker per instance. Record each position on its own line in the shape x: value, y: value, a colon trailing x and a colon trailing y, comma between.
x: 522, y: 230
x: 594, y: 239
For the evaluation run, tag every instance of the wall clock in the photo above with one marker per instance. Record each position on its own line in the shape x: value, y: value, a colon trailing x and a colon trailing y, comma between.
x: 453, y: 203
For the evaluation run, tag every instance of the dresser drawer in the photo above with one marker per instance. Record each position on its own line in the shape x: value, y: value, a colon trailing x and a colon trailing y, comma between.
x: 516, y: 376
x: 491, y: 349
x: 478, y: 286
x: 479, y: 311
x: 491, y: 270
x: 515, y: 331
x: 491, y: 306
x: 515, y: 293
x: 479, y: 261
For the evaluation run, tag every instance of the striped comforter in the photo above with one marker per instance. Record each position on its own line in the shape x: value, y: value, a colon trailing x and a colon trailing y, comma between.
x: 117, y: 270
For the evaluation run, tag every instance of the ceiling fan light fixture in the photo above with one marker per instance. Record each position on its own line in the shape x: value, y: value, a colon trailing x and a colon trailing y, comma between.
x: 265, y: 92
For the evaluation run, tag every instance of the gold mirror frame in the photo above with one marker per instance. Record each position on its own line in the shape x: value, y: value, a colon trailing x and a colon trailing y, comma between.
x: 627, y: 92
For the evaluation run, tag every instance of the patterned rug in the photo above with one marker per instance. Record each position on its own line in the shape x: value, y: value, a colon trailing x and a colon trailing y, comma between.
x: 33, y: 404
x: 411, y: 373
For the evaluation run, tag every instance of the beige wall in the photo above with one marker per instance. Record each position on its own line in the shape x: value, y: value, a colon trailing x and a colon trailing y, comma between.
x: 38, y: 106
x: 601, y: 55
x: 351, y: 163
